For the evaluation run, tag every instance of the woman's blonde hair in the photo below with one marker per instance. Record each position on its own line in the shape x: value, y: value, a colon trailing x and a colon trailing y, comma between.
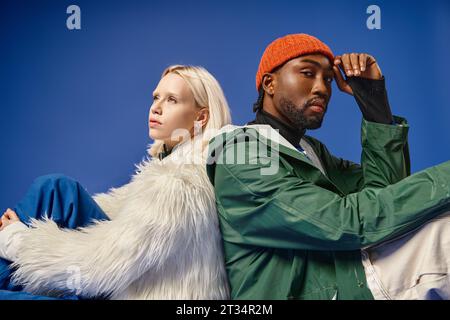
x: 207, y: 93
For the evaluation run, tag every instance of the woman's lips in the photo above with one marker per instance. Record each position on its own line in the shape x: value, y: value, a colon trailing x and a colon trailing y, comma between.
x: 154, y: 124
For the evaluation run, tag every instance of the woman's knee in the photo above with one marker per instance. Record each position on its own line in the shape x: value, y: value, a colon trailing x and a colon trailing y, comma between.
x: 54, y: 179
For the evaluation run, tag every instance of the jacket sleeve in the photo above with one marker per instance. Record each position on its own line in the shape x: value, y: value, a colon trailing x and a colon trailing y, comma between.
x: 384, y: 158
x: 106, y: 257
x: 385, y: 154
x: 9, y: 238
x: 112, y: 201
x: 285, y: 211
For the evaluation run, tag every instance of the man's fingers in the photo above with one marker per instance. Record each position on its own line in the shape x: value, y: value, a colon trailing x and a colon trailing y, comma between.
x: 347, y: 65
x: 370, y: 60
x: 337, y: 60
x: 354, y: 59
x: 353, y: 64
x: 338, y: 77
x: 338, y: 63
x: 340, y: 81
x: 363, y: 61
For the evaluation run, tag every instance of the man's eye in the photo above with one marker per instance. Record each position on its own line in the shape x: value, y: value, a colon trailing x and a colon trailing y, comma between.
x: 307, y: 73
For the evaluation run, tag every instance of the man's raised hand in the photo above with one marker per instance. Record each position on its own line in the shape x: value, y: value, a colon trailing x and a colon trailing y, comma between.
x: 355, y: 65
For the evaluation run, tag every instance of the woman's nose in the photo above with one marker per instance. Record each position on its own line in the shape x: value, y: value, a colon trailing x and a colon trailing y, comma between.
x: 155, y: 109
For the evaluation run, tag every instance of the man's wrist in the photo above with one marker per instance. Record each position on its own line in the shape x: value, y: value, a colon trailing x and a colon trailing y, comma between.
x: 371, y: 97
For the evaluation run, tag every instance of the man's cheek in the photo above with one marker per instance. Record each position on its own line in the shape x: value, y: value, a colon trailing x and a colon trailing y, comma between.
x: 292, y: 82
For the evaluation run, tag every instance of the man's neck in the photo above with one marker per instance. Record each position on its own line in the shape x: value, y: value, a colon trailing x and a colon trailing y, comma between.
x: 291, y: 134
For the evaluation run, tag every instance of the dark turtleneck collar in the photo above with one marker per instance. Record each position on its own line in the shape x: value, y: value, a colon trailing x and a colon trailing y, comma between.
x: 293, y: 135
x: 164, y: 153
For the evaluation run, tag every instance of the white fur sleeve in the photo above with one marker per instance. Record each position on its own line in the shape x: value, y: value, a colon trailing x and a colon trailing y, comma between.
x: 10, y: 238
x: 112, y: 201
x: 157, y: 222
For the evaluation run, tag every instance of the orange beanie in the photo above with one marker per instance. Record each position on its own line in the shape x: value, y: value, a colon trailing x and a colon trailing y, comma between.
x: 289, y: 47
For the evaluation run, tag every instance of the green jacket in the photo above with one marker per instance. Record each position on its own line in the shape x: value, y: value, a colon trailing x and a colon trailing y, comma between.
x: 297, y: 233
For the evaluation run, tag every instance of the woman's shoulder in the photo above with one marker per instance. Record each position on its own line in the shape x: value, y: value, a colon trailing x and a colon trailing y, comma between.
x: 188, y: 167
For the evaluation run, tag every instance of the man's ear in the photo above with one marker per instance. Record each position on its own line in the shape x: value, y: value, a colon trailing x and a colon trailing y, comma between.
x: 268, y: 83
x: 203, y: 116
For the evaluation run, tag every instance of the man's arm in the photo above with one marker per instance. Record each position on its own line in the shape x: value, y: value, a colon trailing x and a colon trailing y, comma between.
x: 385, y: 154
x: 384, y: 158
x: 285, y: 211
x: 371, y: 97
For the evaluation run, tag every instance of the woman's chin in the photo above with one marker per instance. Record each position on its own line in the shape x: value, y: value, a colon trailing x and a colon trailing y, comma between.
x: 154, y: 135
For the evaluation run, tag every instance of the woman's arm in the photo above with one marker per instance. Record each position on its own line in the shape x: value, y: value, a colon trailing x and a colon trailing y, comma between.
x: 112, y: 201
x: 155, y: 223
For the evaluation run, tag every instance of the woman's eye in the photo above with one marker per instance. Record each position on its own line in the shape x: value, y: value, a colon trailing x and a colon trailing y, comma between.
x: 172, y: 99
x: 307, y: 73
x: 329, y: 79
x: 155, y: 98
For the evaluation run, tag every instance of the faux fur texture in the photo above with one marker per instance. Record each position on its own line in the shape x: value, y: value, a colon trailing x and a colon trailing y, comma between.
x: 163, y: 242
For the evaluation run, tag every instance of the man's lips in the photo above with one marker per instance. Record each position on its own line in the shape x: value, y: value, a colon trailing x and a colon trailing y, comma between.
x: 317, y: 108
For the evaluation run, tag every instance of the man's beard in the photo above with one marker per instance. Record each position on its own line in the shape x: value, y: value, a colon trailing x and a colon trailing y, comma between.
x: 297, y: 115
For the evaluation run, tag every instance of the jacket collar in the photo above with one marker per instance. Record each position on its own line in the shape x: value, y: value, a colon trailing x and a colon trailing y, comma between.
x: 291, y: 134
x: 191, y: 151
x: 271, y: 135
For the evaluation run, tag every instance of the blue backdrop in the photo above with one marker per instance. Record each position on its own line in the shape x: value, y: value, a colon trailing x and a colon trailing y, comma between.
x: 76, y: 101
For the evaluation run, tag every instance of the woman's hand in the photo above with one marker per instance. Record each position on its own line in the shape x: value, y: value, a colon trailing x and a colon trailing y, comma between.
x: 9, y: 217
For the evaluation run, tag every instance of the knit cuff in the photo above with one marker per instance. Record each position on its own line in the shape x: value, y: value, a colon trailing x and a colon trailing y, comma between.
x: 371, y: 97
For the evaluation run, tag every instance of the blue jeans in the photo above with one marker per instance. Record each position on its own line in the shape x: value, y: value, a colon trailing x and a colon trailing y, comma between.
x: 64, y: 201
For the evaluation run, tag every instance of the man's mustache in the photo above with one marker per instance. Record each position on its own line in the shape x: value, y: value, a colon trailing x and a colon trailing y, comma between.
x: 320, y: 101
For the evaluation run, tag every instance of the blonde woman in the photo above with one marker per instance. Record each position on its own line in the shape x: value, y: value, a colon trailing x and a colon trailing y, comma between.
x: 156, y: 237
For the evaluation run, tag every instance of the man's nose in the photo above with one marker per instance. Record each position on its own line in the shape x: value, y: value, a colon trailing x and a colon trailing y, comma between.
x: 320, y: 87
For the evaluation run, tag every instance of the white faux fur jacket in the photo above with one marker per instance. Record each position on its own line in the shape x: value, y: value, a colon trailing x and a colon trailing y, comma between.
x: 163, y: 241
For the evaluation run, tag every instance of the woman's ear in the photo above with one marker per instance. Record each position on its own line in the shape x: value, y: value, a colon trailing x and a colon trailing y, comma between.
x: 203, y: 116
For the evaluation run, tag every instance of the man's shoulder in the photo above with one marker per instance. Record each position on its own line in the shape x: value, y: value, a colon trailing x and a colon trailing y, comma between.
x: 233, y: 130
x: 314, y: 141
x: 232, y: 134
x: 260, y: 133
